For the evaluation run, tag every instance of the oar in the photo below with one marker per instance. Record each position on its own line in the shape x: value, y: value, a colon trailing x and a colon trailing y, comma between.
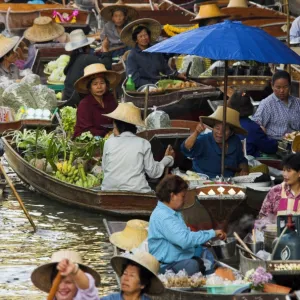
x: 17, y: 196
x: 54, y: 287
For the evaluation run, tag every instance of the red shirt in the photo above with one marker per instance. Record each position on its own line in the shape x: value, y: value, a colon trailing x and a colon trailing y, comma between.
x: 89, y: 115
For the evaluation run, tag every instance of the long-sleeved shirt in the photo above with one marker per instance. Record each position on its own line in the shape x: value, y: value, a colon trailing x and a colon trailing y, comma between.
x: 126, y: 160
x: 169, y: 238
x: 257, y: 141
x: 295, y: 30
x: 110, y: 31
x: 206, y: 155
x: 90, y: 115
x: 277, y: 117
x: 118, y: 296
x: 145, y: 67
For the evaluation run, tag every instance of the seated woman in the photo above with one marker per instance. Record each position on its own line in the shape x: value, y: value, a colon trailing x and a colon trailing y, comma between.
x: 257, y: 141
x: 138, y: 275
x: 117, y: 17
x: 127, y: 158
x: 78, y: 280
x: 145, y: 68
x: 206, y: 149
x: 288, y: 189
x: 173, y: 244
x: 99, y: 100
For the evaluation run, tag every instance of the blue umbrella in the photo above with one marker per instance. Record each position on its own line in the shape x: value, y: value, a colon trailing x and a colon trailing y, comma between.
x: 228, y: 41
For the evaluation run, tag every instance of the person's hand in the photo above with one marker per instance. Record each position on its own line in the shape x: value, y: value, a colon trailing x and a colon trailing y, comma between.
x: 105, y: 45
x: 181, y: 76
x: 170, y: 151
x: 221, y: 234
x: 200, y: 127
x: 66, y: 267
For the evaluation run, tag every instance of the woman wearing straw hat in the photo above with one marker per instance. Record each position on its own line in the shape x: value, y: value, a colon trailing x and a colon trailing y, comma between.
x: 80, y: 58
x: 145, y: 68
x: 78, y: 280
x: 127, y: 158
x: 206, y: 149
x: 95, y: 83
x: 138, y: 275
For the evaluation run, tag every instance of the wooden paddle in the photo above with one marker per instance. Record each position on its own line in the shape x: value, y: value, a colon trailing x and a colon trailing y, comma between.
x: 17, y: 196
x: 54, y: 287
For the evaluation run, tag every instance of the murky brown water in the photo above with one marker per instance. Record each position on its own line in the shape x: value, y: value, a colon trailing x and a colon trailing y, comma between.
x: 59, y: 227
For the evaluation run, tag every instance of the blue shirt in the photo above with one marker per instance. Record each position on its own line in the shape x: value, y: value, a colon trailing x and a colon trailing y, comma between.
x: 277, y: 117
x: 118, y: 296
x: 145, y: 67
x: 207, y: 155
x: 169, y: 239
x: 256, y: 140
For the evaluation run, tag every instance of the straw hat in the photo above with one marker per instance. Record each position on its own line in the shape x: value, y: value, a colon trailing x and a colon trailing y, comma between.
x: 238, y: 3
x: 43, y: 30
x: 7, y: 44
x: 145, y: 260
x: 107, y: 12
x: 132, y: 236
x: 41, y: 276
x: 232, y: 119
x: 78, y: 40
x: 127, y: 112
x: 208, y: 10
x: 153, y: 25
x: 93, y: 70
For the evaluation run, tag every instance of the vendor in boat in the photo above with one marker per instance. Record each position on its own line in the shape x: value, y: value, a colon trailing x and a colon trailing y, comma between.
x: 80, y: 58
x: 138, y: 275
x: 173, y: 244
x: 206, y: 149
x: 95, y: 83
x: 295, y: 32
x: 78, y: 281
x: 278, y: 114
x: 145, y: 68
x: 117, y: 17
x: 289, y: 189
x: 257, y: 141
x: 127, y: 158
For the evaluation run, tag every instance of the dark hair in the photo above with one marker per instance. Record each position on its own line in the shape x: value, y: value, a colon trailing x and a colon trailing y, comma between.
x: 168, y: 185
x: 89, y: 83
x: 6, y: 55
x: 138, y: 30
x: 292, y: 161
x: 281, y: 75
x: 123, y: 10
x: 241, y: 102
x: 123, y: 126
x: 73, y: 57
x: 144, y: 274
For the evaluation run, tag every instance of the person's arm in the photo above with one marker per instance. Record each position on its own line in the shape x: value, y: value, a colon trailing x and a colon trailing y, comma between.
x: 241, y: 159
x: 263, y: 142
x: 262, y: 115
x: 268, y: 204
x: 132, y: 68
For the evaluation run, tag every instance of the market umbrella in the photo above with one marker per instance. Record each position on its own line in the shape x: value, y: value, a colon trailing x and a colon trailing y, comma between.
x: 229, y: 41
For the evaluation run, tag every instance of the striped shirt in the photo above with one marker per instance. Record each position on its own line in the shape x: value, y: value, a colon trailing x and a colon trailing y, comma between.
x: 277, y: 117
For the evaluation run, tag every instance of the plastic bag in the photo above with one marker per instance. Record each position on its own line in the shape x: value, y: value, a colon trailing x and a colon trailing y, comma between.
x: 25, y: 72
x: 44, y: 97
x: 263, y: 255
x: 158, y: 119
x: 31, y: 79
x: 197, y: 66
x: 142, y: 247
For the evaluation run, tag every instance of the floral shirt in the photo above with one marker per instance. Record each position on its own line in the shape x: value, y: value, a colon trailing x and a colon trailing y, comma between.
x: 271, y: 202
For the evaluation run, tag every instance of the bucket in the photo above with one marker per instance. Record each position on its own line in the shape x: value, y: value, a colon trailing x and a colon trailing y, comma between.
x: 255, y: 247
x: 247, y: 264
x: 224, y: 251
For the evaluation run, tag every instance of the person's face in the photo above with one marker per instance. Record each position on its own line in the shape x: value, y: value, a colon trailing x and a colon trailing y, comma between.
x: 291, y: 176
x: 66, y: 290
x: 118, y: 18
x: 177, y: 200
x: 281, y: 88
x: 11, y: 57
x: 130, y: 281
x: 143, y: 38
x: 218, y: 132
x: 98, y: 87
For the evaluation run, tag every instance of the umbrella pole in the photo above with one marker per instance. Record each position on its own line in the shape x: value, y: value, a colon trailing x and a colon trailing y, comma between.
x: 224, y: 117
x: 288, y: 29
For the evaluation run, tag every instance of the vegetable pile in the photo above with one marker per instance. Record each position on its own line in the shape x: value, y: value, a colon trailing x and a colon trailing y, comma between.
x: 68, y: 118
x: 56, y: 68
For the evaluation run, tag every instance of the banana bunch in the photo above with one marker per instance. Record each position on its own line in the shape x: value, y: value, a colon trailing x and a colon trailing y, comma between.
x: 86, y: 181
x: 66, y: 172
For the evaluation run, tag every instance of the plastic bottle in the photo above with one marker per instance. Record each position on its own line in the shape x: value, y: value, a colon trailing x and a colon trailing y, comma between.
x: 130, y: 86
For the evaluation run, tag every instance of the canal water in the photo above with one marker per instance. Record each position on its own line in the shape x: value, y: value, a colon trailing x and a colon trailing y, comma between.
x: 59, y: 227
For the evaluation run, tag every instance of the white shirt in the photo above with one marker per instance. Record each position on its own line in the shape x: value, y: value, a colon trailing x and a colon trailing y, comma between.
x: 295, y: 31
x: 126, y: 160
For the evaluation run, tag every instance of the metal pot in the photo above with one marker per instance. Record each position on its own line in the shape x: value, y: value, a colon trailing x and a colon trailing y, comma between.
x: 224, y: 251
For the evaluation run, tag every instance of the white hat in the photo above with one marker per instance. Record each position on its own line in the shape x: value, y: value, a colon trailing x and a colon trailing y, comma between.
x: 78, y: 40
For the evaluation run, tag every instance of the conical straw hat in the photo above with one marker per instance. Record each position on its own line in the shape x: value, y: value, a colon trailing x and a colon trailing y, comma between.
x: 43, y: 30
x: 41, y: 276
x: 208, y: 10
x: 232, y: 119
x: 127, y: 112
x: 237, y: 3
x: 131, y: 237
x: 146, y: 261
x: 92, y: 71
x: 7, y: 44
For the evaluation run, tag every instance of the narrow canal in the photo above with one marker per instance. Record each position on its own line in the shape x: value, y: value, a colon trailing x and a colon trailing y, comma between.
x: 59, y: 227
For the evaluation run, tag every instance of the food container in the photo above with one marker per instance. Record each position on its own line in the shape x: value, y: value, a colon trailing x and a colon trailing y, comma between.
x: 227, y: 289
x: 255, y: 247
x: 269, y: 237
x: 247, y: 264
x: 224, y: 250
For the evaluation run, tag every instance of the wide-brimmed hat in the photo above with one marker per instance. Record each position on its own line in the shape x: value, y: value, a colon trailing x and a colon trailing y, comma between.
x: 43, y: 30
x: 153, y: 25
x: 7, y: 44
x: 208, y: 10
x: 238, y: 3
x: 41, y: 276
x: 132, y: 236
x: 78, y: 40
x: 127, y: 112
x: 92, y: 71
x: 146, y: 261
x: 232, y: 119
x: 130, y: 12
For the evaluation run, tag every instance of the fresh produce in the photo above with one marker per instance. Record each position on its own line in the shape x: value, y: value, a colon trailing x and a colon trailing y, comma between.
x: 44, y: 97
x: 181, y: 85
x: 56, y: 68
x: 66, y: 171
x: 68, y: 117
x: 59, y: 96
x: 31, y: 79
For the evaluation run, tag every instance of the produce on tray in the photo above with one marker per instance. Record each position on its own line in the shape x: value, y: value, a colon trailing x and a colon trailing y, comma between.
x: 175, y: 84
x: 56, y: 68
